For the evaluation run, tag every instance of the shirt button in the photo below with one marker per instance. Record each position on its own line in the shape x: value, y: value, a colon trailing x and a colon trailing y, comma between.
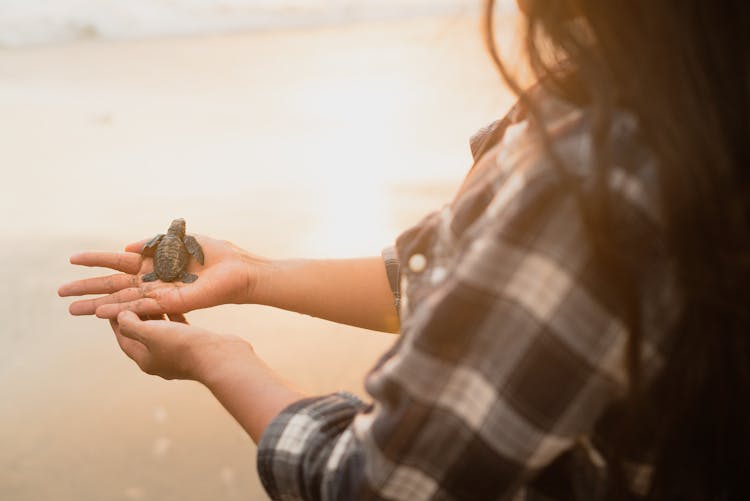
x: 438, y: 274
x: 417, y: 263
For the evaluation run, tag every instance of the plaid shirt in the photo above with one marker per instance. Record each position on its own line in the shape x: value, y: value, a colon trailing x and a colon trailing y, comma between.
x: 511, y: 344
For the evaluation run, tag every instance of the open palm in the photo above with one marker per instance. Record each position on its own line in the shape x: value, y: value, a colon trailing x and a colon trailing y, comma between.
x: 229, y: 275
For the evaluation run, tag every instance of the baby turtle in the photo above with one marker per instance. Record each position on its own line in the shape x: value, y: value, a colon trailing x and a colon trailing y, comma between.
x: 170, y: 254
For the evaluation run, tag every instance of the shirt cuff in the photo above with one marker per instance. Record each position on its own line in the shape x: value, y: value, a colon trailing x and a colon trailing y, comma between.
x: 393, y: 270
x: 302, y: 429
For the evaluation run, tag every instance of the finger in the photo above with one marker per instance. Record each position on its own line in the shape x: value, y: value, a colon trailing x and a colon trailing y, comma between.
x: 135, y: 350
x: 137, y: 246
x: 178, y: 317
x: 141, y: 307
x: 89, y: 306
x: 98, y: 285
x: 146, y: 331
x: 126, y: 262
x: 176, y: 299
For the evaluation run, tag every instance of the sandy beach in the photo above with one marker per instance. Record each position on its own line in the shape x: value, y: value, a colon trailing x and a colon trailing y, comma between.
x: 322, y: 142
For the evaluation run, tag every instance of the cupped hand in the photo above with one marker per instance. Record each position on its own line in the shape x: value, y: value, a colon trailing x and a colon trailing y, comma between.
x: 175, y: 350
x: 229, y: 275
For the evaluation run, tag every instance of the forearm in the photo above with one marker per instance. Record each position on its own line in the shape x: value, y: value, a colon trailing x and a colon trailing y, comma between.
x: 349, y: 291
x: 249, y: 390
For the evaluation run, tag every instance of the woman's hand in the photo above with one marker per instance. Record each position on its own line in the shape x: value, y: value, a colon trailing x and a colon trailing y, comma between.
x: 227, y: 365
x: 175, y: 350
x: 229, y: 275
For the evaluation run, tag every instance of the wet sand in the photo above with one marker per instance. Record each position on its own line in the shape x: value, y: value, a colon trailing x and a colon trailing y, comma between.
x: 318, y: 142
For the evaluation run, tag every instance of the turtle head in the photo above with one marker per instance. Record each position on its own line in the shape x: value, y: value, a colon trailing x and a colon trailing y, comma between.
x: 177, y: 228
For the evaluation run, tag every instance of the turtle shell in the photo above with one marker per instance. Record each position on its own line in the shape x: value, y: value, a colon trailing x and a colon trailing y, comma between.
x: 171, y: 258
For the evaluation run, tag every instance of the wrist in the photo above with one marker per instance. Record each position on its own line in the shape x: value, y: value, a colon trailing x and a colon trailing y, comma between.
x: 259, y: 273
x: 271, y: 283
x: 219, y: 358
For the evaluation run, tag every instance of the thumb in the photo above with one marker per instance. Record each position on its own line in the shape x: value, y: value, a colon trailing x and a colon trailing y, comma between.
x: 131, y: 326
x: 136, y: 246
x: 150, y: 332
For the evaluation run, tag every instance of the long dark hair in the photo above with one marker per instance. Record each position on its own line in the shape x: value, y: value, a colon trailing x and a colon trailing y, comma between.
x: 683, y: 68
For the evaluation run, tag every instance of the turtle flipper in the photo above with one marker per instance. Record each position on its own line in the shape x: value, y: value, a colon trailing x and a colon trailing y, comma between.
x: 150, y: 277
x: 187, y: 278
x: 194, y: 248
x: 150, y: 247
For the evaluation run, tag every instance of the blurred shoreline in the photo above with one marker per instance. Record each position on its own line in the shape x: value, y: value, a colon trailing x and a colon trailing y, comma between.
x: 38, y: 22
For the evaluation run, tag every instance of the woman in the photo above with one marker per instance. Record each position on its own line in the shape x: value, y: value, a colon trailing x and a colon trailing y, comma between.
x: 574, y: 324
